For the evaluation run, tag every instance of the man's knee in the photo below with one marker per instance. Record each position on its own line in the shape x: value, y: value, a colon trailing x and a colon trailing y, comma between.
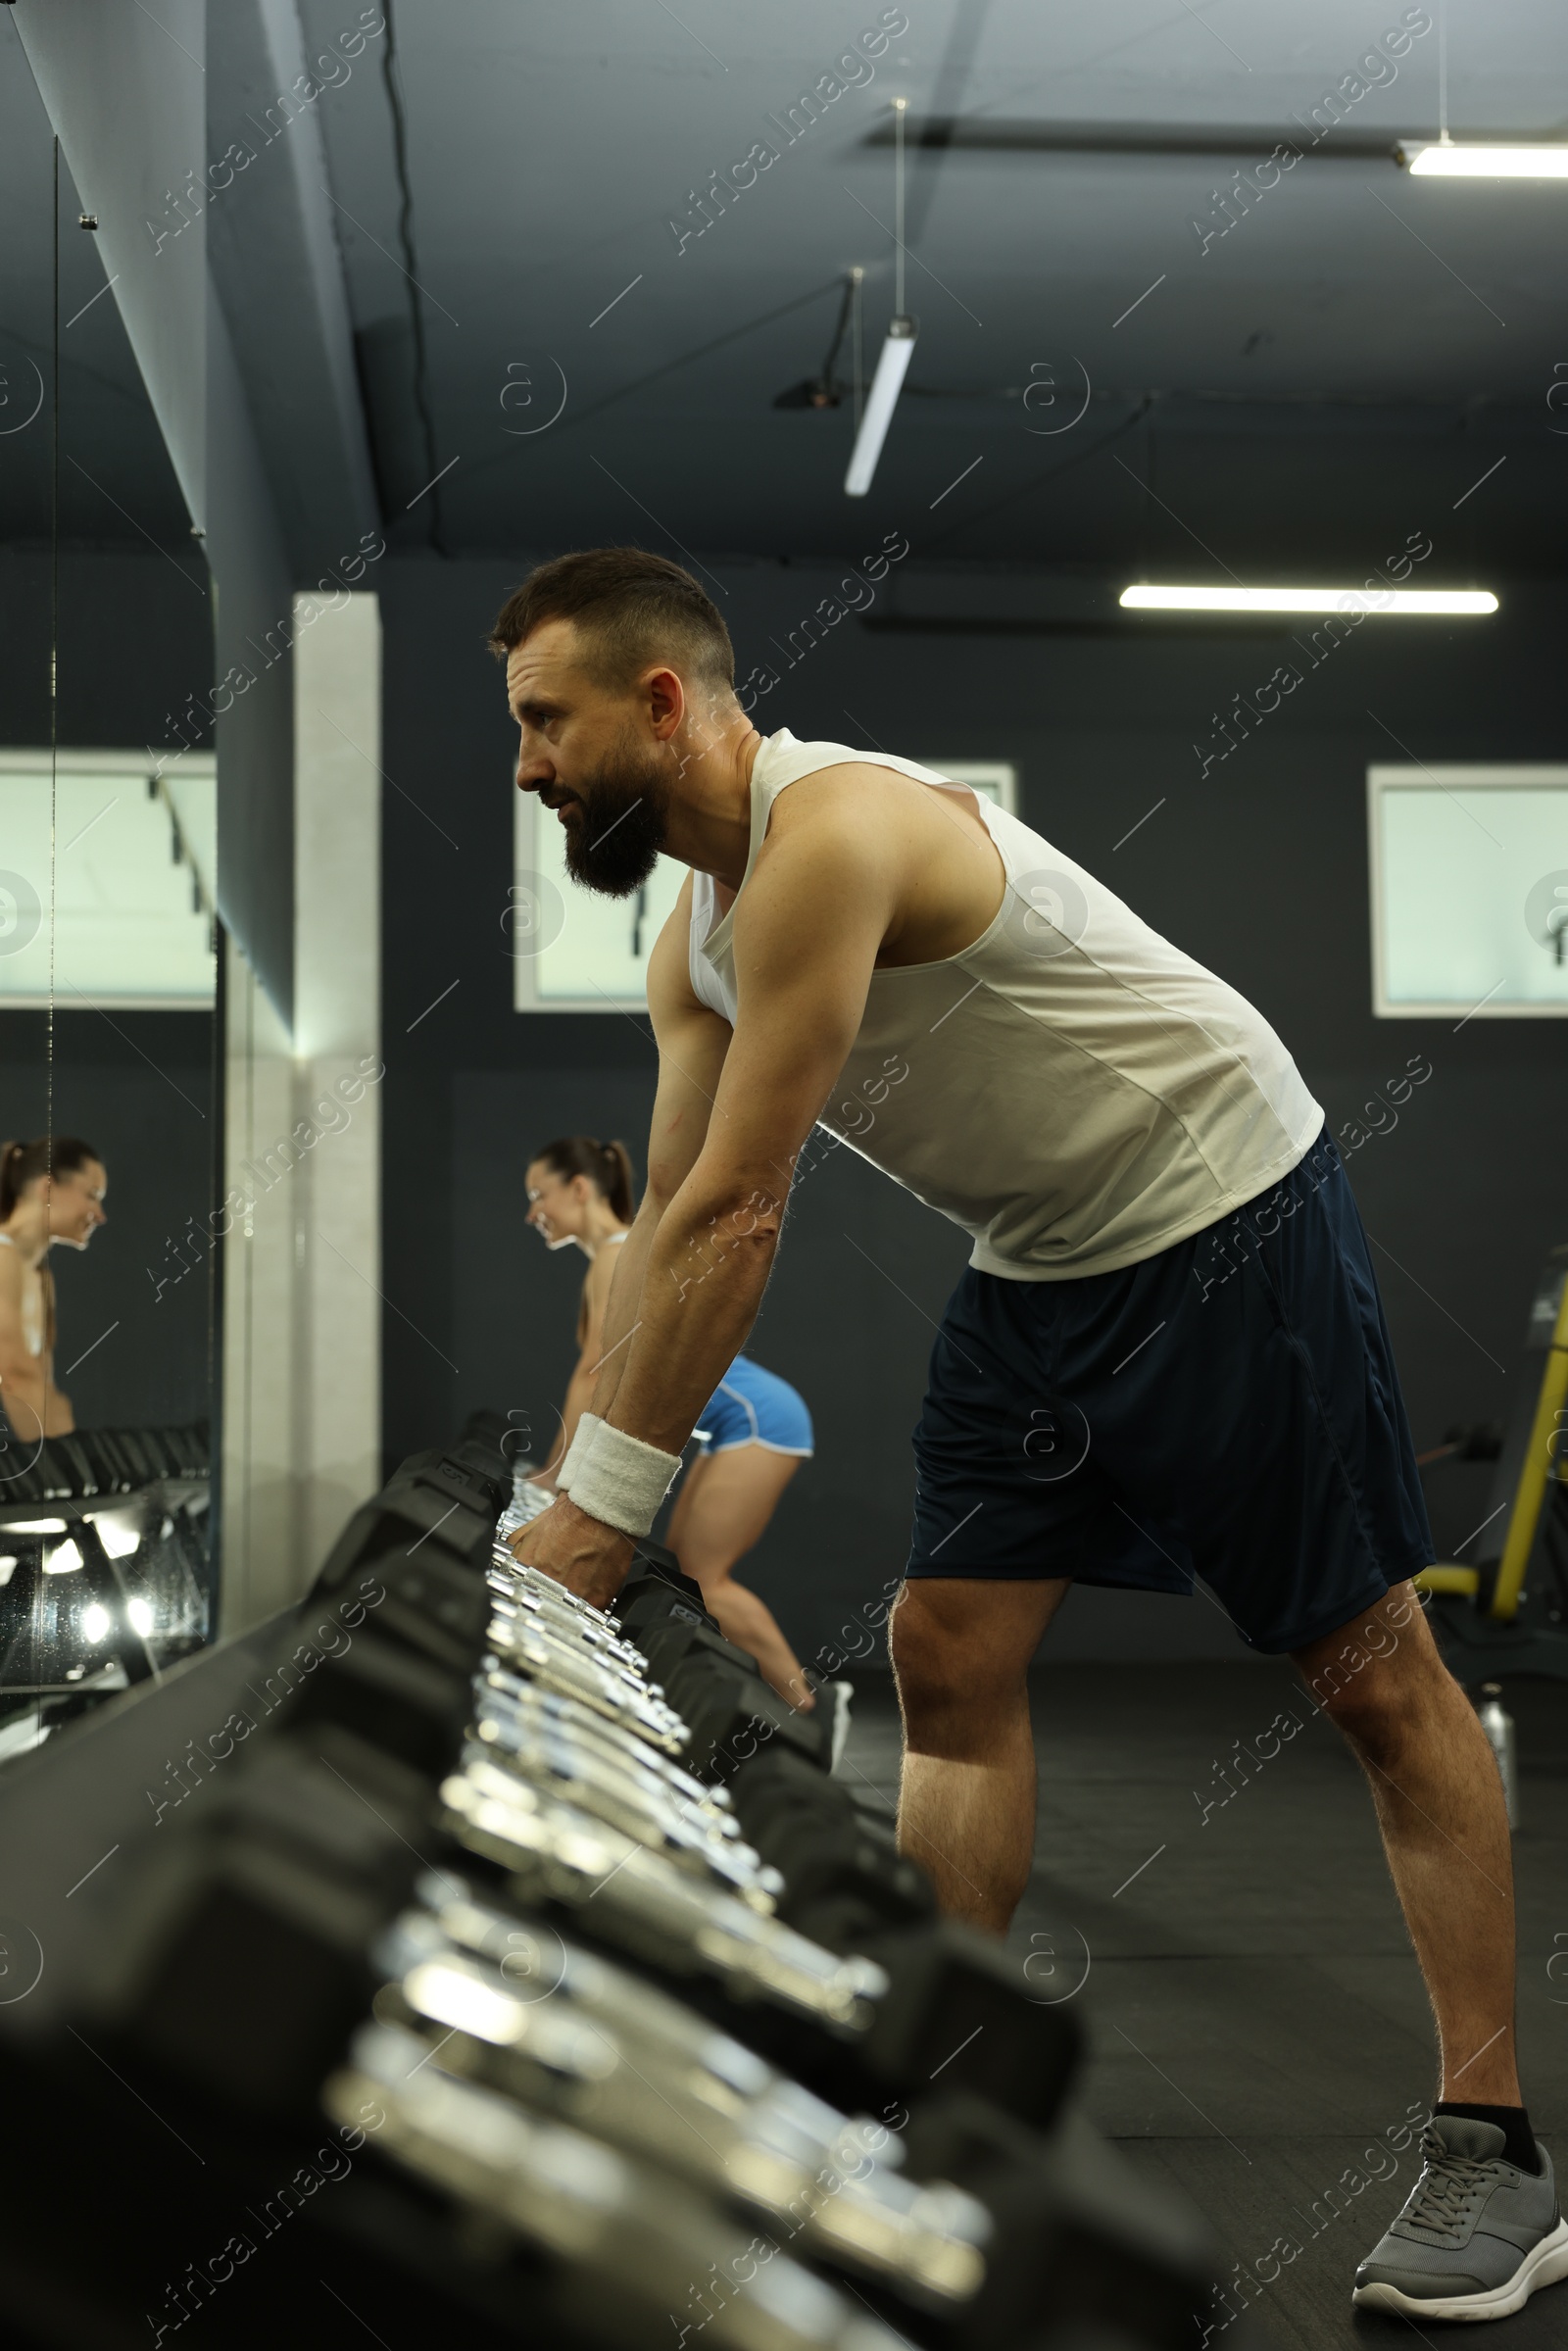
x: 1375, y: 1716
x: 945, y: 1657
x: 922, y: 1661
x: 1380, y: 1692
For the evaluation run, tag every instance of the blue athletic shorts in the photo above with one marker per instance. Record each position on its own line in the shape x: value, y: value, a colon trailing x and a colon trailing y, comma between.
x: 1228, y: 1409
x: 753, y: 1406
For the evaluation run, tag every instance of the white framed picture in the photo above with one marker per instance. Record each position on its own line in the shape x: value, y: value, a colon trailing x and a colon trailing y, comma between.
x: 108, y: 873
x: 1469, y: 884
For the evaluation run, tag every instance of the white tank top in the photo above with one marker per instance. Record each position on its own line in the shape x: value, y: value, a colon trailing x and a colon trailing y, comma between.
x: 1073, y: 1089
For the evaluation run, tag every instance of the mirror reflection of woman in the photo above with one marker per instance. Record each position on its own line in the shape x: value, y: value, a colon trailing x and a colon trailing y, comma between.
x: 756, y: 1430
x: 51, y: 1195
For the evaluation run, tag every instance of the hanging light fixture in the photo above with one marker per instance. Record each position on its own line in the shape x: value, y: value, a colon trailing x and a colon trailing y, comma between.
x: 892, y: 361
x: 1476, y: 159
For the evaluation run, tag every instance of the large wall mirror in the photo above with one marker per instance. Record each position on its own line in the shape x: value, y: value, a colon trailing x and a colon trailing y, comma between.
x: 111, y: 956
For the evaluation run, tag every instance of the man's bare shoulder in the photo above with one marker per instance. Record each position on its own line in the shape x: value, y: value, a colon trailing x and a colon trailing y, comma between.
x: 866, y: 849
x: 829, y: 875
x: 859, y: 818
x: 856, y: 792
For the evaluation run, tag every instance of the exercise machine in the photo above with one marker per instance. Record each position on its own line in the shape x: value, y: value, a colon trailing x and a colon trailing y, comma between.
x: 1508, y: 1614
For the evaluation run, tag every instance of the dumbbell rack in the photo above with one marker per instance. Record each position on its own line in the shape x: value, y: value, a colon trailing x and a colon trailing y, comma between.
x: 585, y: 2004
x: 154, y: 1483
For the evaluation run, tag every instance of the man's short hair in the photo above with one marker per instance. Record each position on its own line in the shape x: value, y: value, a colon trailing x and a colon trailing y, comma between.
x: 632, y: 608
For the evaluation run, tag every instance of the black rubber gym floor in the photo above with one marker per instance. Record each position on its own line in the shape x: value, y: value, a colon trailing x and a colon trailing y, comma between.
x: 1257, y: 2029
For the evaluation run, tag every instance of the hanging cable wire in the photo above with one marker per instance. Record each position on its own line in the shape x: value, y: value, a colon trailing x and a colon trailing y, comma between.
x: 54, y: 655
x: 857, y: 279
x: 899, y: 105
x: 1443, y: 73
x: 38, y: 1660
x: 1037, y: 481
x: 422, y: 376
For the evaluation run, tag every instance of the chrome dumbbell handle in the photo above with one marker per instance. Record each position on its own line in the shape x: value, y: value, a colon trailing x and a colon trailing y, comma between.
x: 651, y: 2241
x: 595, y: 1684
x: 527, y: 1696
x: 749, y: 2134
x: 643, y: 1812
x: 642, y: 1900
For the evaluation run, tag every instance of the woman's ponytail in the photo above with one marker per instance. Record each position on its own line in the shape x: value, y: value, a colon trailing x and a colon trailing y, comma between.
x: 616, y: 1180
x: 606, y: 1166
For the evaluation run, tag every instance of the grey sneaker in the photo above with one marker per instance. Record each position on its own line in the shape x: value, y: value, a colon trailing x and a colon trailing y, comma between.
x: 1475, y: 2236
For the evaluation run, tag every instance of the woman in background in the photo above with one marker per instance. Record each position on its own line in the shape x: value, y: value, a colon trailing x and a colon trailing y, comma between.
x: 755, y: 1433
x: 49, y: 1194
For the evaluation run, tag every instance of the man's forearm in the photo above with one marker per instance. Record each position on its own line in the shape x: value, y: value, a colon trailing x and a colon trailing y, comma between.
x: 623, y: 1306
x: 704, y: 1274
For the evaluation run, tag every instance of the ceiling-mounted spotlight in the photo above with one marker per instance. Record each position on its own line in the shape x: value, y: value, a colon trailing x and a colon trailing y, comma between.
x: 892, y: 361
x: 1458, y: 158
x: 816, y: 391
x: 824, y: 389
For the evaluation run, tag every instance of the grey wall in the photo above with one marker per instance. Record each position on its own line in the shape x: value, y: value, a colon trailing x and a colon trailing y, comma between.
x: 1259, y: 871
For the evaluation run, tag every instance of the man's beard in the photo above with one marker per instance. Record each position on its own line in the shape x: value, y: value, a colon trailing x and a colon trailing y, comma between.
x: 614, y: 843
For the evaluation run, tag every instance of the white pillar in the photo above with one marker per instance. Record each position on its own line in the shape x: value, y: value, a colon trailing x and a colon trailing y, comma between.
x: 258, y: 1490
x: 302, y: 1286
x: 337, y: 1053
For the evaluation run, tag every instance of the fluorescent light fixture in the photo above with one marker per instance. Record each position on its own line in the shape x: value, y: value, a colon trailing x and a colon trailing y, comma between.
x: 94, y: 1623
x: 63, y: 1560
x: 892, y: 367
x: 1465, y: 161
x: 35, y: 1526
x: 1396, y: 601
x: 141, y: 1618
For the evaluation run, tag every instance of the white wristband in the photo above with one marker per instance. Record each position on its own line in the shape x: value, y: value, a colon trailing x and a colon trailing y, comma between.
x: 583, y: 1437
x: 621, y: 1481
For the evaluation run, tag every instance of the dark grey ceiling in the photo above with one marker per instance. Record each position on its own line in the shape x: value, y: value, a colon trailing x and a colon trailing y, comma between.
x: 1331, y: 374
x: 116, y: 481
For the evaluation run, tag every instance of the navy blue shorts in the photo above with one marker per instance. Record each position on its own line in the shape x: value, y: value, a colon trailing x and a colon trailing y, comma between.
x: 1227, y: 1409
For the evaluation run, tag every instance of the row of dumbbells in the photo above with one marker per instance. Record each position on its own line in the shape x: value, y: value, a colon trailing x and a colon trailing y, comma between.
x: 608, y: 2104
x: 89, y: 1463
x: 647, y: 2028
x: 684, y: 2020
